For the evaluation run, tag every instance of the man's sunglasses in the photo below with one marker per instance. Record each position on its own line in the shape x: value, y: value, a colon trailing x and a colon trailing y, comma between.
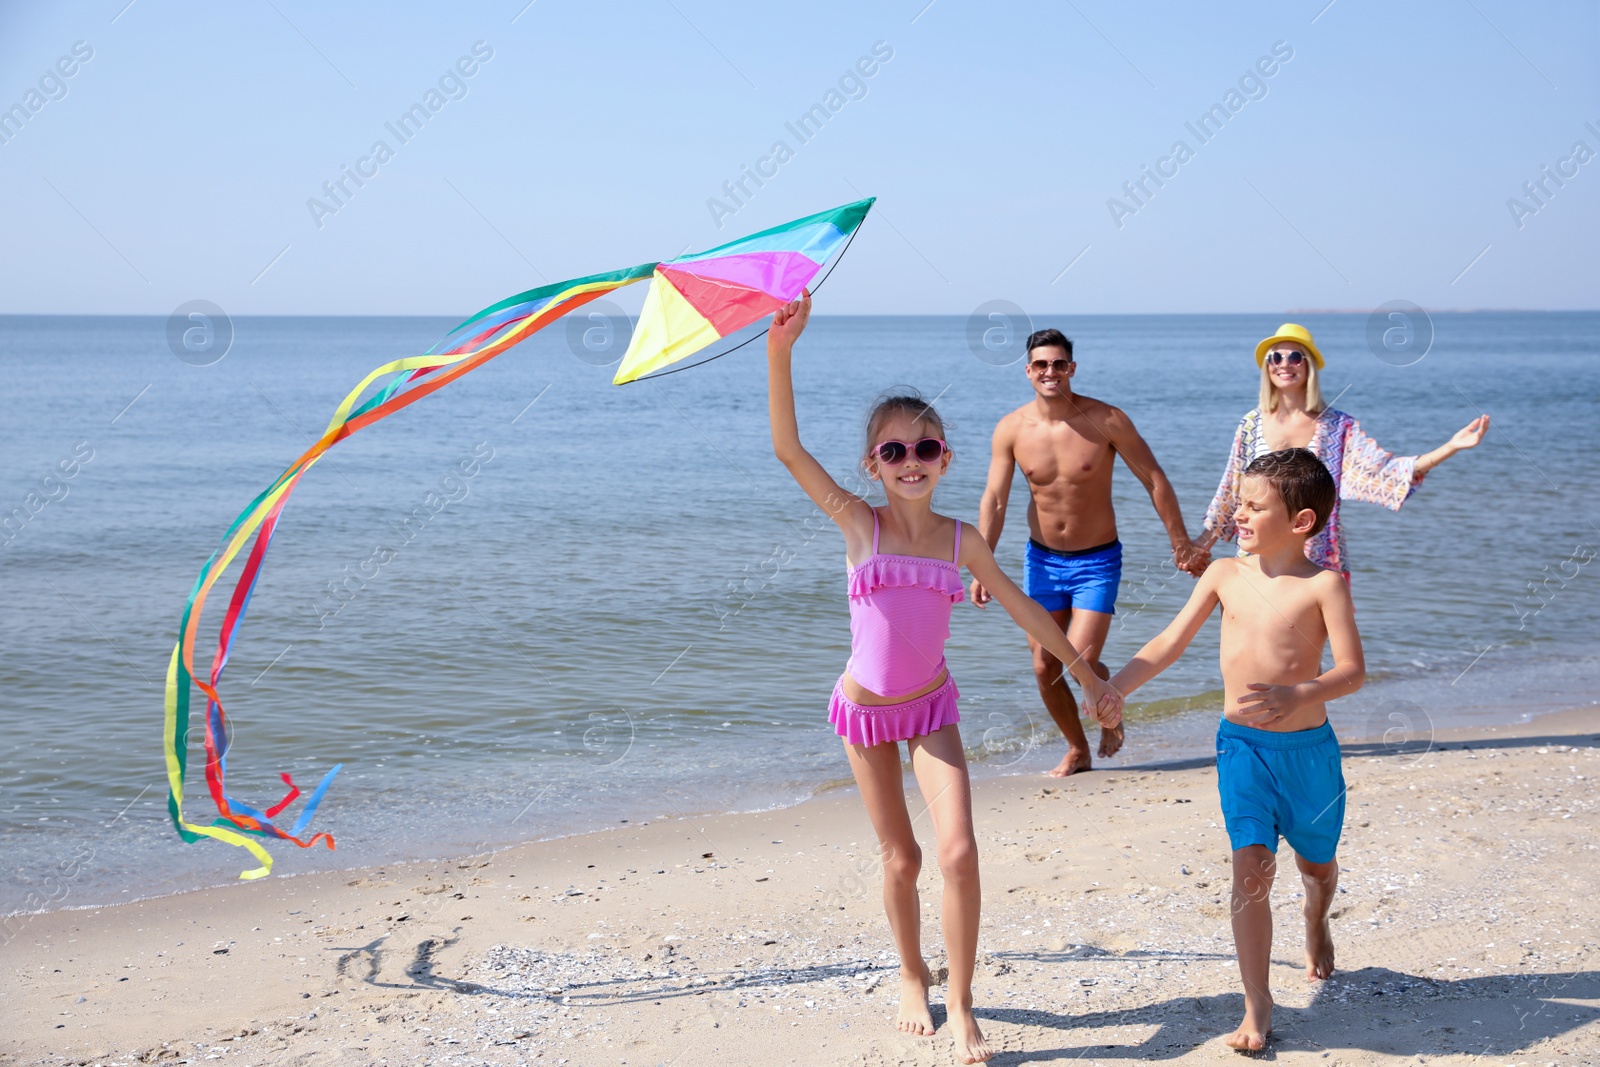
x: 894, y: 453
x: 1039, y: 366
x: 1294, y: 359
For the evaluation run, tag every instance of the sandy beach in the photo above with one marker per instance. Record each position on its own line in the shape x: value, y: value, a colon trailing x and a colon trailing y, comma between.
x: 1465, y: 929
x: 469, y: 450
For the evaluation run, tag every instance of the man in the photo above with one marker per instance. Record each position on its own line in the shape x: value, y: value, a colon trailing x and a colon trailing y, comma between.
x: 1066, y: 445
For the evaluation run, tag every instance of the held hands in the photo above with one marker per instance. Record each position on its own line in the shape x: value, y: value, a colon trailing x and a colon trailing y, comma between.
x: 789, y: 322
x: 980, y: 595
x: 1105, y: 702
x: 1266, y: 704
x: 1192, y: 557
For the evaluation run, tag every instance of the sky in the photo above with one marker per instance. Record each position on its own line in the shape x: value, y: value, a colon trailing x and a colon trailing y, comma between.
x: 1368, y: 151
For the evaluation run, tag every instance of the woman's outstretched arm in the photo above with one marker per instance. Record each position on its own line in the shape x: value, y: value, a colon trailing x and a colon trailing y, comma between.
x: 1466, y: 437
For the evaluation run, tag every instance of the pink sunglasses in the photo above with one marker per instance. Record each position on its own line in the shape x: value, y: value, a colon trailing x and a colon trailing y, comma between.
x: 894, y: 453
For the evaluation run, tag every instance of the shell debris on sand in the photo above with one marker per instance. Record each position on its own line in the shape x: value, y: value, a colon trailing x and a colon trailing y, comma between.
x: 1463, y: 926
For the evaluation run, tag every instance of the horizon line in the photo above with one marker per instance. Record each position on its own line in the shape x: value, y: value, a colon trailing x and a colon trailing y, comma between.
x: 834, y: 315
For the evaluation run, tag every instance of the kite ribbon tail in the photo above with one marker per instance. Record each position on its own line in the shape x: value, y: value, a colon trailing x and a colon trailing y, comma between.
x: 432, y: 371
x: 175, y: 787
x: 231, y: 838
x: 289, y: 798
x: 310, y: 811
x: 216, y: 735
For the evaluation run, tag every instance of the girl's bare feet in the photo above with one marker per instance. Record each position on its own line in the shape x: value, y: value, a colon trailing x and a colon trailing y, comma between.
x: 969, y: 1042
x: 1110, y: 740
x: 915, y: 1018
x: 1252, y: 1033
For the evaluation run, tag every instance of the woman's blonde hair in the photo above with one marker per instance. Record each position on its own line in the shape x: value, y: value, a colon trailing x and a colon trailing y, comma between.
x: 1268, y: 400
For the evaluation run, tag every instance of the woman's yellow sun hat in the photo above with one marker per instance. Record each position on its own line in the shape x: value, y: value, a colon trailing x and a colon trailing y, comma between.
x: 1290, y: 332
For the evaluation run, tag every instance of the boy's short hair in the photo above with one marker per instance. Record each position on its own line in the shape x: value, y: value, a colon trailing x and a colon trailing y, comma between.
x: 1301, y: 479
x: 1048, y: 338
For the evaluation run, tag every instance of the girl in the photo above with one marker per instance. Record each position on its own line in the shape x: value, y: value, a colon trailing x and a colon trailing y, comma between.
x: 904, y: 576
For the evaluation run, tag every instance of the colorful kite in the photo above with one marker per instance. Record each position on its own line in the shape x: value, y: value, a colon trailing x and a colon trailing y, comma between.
x: 694, y: 301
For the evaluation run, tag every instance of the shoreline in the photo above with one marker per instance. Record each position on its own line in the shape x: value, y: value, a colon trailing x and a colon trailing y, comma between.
x: 998, y: 764
x: 638, y: 943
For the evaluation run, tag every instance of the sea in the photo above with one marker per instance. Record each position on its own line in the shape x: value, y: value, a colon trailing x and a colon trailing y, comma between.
x: 535, y: 604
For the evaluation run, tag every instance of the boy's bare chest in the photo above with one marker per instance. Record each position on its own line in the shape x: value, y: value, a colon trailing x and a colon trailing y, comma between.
x: 1277, y: 614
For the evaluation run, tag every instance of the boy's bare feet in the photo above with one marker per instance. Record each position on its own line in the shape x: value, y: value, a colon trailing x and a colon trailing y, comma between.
x: 1319, y: 948
x: 970, y: 1045
x: 915, y: 1018
x: 1074, y: 761
x: 1110, y: 740
x: 1252, y: 1033
x: 1321, y: 881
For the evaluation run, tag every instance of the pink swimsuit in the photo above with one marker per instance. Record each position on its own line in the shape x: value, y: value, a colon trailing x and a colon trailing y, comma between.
x: 899, y: 622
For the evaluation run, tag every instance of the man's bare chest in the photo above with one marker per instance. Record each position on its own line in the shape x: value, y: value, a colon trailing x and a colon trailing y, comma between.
x: 1062, y: 454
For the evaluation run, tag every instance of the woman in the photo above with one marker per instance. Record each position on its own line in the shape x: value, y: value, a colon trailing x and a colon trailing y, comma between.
x: 1292, y: 414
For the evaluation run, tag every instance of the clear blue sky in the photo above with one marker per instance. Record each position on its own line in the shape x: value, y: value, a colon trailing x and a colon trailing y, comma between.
x: 177, y: 162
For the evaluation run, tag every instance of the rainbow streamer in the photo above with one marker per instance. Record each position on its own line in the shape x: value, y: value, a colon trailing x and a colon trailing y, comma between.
x: 694, y: 300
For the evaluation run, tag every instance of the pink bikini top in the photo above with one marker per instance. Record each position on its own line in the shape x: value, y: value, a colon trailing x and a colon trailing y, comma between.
x: 900, y: 618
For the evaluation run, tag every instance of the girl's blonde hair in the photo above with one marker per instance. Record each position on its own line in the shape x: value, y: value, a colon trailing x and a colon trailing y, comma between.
x: 1268, y: 400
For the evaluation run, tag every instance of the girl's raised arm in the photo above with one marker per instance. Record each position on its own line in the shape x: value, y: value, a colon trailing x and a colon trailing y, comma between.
x: 845, y: 508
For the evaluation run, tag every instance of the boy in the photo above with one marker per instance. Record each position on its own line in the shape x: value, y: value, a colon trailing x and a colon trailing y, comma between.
x: 1277, y: 758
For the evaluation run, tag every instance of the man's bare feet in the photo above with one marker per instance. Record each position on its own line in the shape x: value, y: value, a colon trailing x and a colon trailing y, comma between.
x: 1110, y: 740
x: 1319, y: 948
x: 970, y: 1045
x: 915, y: 1018
x: 1253, y: 1032
x: 1074, y: 761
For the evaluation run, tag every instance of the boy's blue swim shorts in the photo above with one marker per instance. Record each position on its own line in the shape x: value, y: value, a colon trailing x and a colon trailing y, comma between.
x: 1288, y: 783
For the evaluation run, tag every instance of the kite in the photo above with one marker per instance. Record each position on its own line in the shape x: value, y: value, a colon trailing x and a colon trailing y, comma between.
x: 693, y: 301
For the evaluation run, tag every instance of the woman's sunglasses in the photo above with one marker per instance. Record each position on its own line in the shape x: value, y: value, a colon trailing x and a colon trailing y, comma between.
x: 1294, y: 359
x: 894, y: 453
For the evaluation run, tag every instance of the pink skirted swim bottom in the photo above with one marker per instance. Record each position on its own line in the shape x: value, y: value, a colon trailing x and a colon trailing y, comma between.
x: 862, y: 724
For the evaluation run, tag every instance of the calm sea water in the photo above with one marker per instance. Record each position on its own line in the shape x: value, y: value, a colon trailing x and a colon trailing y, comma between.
x: 622, y: 614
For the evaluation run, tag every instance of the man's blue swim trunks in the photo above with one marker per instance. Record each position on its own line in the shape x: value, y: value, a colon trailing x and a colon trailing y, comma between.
x: 1085, y: 579
x: 1288, y: 783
